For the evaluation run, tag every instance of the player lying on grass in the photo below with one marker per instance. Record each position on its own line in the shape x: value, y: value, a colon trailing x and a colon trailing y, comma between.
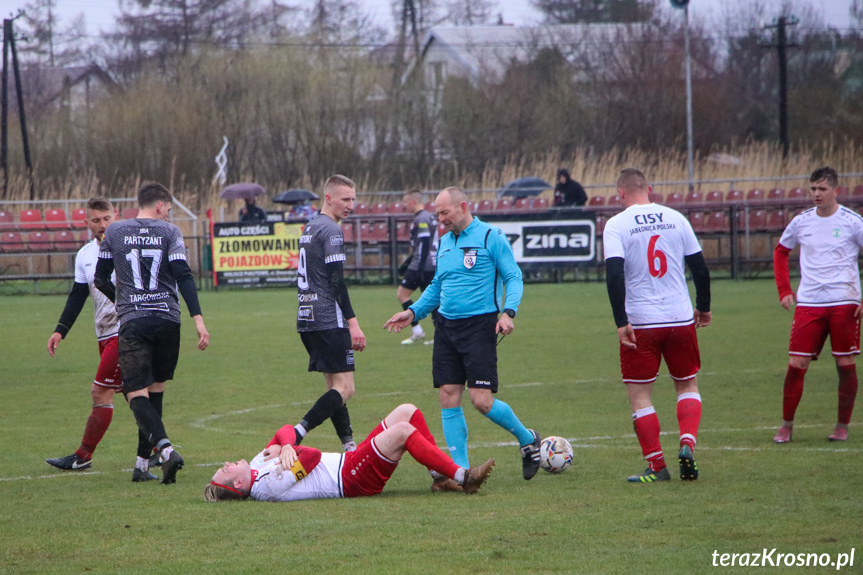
x: 284, y: 471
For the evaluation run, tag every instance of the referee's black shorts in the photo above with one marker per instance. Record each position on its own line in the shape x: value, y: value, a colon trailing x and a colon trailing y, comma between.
x: 465, y: 351
x: 330, y: 350
x: 148, y: 349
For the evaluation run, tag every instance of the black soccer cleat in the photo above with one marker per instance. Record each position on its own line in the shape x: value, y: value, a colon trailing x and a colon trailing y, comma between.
x: 530, y: 456
x: 688, y: 467
x: 650, y: 476
x: 139, y: 475
x: 170, y: 467
x: 70, y: 462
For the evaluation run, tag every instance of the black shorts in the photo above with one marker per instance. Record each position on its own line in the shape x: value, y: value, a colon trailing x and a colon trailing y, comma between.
x: 329, y: 350
x: 148, y: 348
x: 416, y: 279
x: 465, y: 351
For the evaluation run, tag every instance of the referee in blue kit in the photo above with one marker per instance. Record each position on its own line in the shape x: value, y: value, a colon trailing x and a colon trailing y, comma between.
x: 474, y: 265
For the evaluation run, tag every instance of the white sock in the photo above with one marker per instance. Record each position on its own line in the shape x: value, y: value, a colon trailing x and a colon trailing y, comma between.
x: 459, y: 475
x: 165, y: 454
x: 418, y: 330
x: 301, y: 431
x: 142, y: 463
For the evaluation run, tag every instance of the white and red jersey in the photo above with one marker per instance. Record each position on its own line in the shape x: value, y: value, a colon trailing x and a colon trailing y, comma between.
x: 653, y: 240
x: 829, y: 247
x: 105, y: 312
x: 316, y: 476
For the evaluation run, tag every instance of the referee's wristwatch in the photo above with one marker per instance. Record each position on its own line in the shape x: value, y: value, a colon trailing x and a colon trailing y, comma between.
x: 509, y: 312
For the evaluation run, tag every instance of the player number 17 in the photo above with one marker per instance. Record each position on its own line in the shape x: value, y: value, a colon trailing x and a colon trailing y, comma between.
x: 155, y: 256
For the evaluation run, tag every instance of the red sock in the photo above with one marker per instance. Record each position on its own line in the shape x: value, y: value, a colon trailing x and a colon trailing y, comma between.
x: 688, y: 417
x: 646, y: 425
x: 418, y: 420
x: 94, y: 431
x: 793, y: 392
x: 430, y: 455
x: 847, y: 392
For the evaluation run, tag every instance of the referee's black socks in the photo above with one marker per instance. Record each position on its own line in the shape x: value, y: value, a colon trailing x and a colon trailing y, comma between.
x: 323, y: 409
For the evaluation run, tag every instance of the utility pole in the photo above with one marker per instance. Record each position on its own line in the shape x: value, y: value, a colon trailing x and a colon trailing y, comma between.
x: 684, y: 5
x: 781, y: 44
x: 9, y: 46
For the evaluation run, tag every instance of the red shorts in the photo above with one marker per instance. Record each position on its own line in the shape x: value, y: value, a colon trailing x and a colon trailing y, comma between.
x: 108, y: 374
x: 366, y: 470
x: 811, y: 325
x: 678, y: 345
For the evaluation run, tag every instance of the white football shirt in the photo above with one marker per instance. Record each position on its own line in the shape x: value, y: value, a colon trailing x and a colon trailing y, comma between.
x: 653, y: 240
x: 85, y: 270
x: 828, y: 256
x: 275, y: 484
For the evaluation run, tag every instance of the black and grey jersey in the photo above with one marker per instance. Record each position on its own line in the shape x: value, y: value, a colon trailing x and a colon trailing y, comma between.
x: 423, y: 226
x: 142, y: 250
x: 322, y: 242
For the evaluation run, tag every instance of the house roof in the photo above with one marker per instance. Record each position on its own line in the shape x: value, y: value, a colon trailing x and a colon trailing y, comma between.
x: 493, y: 48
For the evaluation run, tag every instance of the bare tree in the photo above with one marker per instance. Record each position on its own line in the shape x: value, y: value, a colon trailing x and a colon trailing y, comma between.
x: 587, y: 11
x: 470, y: 12
x: 46, y: 41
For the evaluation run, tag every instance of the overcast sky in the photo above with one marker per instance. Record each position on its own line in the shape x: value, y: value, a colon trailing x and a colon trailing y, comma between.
x: 100, y: 14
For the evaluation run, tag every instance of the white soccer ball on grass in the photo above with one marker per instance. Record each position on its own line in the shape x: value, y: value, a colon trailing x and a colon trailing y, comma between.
x: 555, y: 454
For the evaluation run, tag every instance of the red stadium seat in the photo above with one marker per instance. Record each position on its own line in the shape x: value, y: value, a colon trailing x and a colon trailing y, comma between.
x: 396, y: 208
x: 66, y: 241
x: 39, y: 241
x: 130, y: 213
x: 7, y: 221
x: 429, y: 207
x: 57, y: 220
x: 694, y: 198
x: 361, y: 209
x: 12, y: 242
x: 714, y: 197
x: 857, y: 192
x: 655, y: 198
x: 696, y: 220
x: 755, y: 196
x: 539, y: 204
x: 674, y: 199
x: 614, y: 201
x: 348, y: 232
x: 798, y: 196
x: 79, y: 218
x: 734, y: 197
x: 757, y: 220
x: 30, y: 220
x: 716, y: 222
x: 379, y: 208
x: 403, y: 231
x: 503, y: 205
x: 843, y: 192
x: 776, y: 196
x: 776, y: 220
x: 380, y: 232
x: 365, y: 233
x: 485, y: 207
x: 596, y: 201
x: 521, y: 205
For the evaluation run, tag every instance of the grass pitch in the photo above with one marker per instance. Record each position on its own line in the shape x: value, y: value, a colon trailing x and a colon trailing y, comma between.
x: 559, y: 371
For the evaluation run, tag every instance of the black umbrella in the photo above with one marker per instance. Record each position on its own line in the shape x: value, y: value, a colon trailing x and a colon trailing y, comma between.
x: 244, y: 191
x: 295, y: 197
x: 525, y: 187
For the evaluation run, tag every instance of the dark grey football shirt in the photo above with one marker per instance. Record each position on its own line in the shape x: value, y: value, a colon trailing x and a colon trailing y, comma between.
x: 423, y: 226
x: 322, y: 242
x: 141, y: 249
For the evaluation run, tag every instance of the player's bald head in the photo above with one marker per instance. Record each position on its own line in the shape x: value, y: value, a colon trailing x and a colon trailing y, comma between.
x: 632, y: 179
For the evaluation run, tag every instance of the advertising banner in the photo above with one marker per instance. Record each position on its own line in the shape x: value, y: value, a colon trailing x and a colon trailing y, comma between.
x: 260, y: 253
x: 551, y: 241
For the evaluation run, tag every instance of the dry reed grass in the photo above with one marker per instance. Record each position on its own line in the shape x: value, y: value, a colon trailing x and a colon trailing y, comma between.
x: 596, y: 171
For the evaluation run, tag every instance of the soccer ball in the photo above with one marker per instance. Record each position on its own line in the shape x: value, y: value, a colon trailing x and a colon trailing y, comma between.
x: 555, y: 454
